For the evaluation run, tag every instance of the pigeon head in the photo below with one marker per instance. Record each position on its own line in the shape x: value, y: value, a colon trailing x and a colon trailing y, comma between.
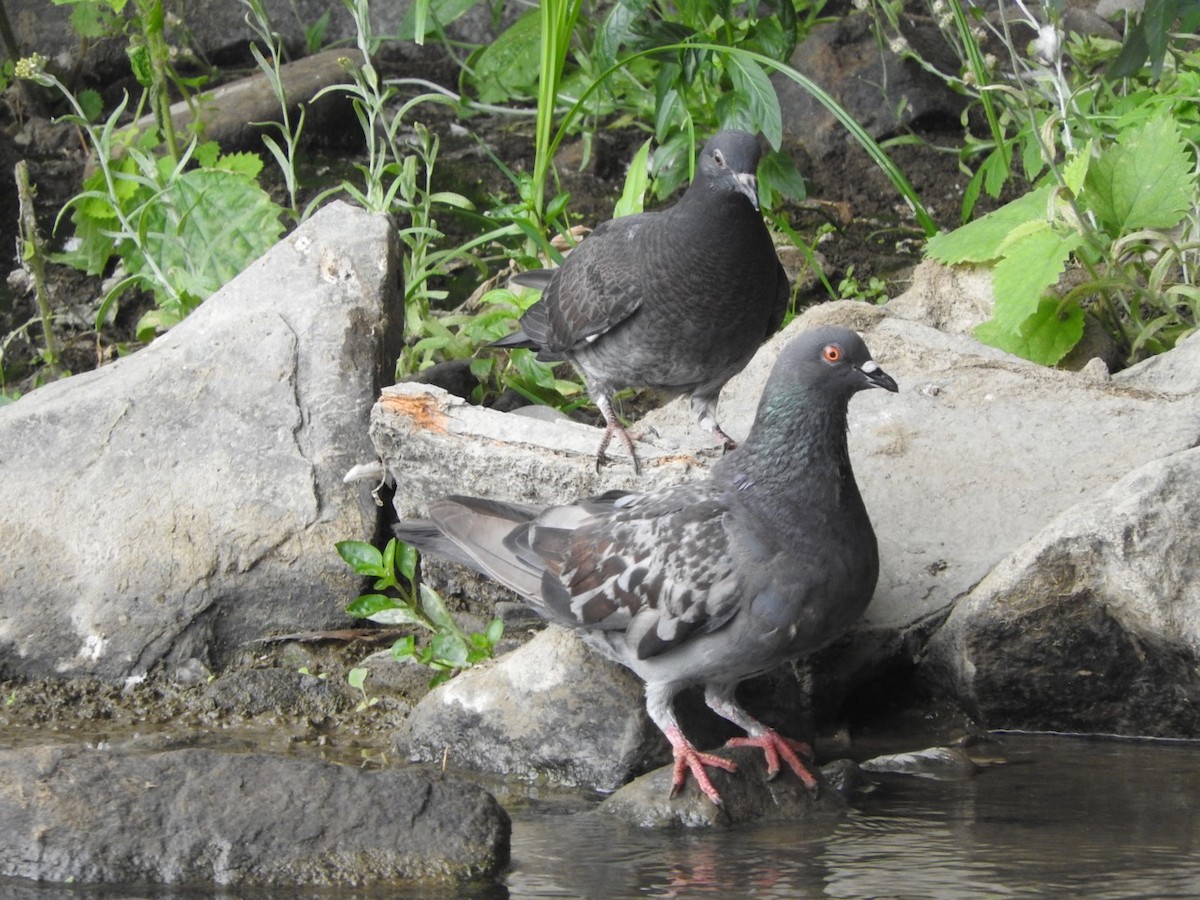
x: 831, y: 361
x: 729, y: 164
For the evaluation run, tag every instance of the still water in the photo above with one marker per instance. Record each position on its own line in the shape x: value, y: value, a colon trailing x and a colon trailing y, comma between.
x: 1062, y: 817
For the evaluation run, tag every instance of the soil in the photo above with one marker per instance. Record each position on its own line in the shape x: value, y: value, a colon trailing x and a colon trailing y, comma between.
x: 267, y: 696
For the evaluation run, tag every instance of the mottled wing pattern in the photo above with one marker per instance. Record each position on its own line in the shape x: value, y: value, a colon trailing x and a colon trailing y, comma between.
x: 597, y: 288
x: 658, y: 568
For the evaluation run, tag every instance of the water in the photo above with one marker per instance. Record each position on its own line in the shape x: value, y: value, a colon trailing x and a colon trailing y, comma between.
x: 1063, y: 817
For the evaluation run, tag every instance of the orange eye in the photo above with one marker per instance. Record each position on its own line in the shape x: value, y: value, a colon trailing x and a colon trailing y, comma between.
x: 832, y: 353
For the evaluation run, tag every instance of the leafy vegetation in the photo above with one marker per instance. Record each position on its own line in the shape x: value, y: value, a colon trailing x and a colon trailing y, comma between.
x: 449, y: 648
x: 1106, y: 134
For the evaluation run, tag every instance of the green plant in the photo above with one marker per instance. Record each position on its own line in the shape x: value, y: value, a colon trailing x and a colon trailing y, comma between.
x: 851, y: 288
x: 449, y: 649
x: 357, y: 679
x: 182, y: 226
x: 1109, y: 225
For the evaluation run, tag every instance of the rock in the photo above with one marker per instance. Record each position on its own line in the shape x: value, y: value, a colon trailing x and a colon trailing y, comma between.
x: 550, y: 710
x: 1093, y: 624
x: 747, y: 794
x: 883, y: 92
x: 186, y: 499
x: 237, y: 819
x: 943, y: 763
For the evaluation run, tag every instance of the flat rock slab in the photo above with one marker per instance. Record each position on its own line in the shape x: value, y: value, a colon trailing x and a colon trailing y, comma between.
x: 186, y: 499
x: 207, y: 816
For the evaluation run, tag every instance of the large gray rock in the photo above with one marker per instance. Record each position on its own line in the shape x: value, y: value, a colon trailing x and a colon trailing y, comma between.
x: 237, y: 819
x: 552, y: 710
x: 1094, y: 624
x: 186, y: 499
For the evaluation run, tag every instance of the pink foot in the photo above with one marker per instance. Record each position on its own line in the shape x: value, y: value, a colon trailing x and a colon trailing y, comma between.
x: 774, y: 745
x: 689, y: 759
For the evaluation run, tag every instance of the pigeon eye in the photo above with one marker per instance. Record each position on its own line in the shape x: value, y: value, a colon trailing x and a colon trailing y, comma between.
x: 719, y: 158
x: 832, y: 353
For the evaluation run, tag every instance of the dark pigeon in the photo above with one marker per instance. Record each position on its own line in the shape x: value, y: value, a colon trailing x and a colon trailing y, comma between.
x: 677, y: 300
x: 770, y: 557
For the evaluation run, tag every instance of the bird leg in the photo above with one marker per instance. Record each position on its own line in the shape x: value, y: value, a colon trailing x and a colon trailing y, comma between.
x: 660, y: 703
x: 720, y: 699
x: 688, y: 758
x: 613, y: 426
x: 705, y: 410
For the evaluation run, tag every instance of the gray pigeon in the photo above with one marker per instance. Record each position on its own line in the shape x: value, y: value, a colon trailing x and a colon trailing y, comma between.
x: 710, y: 582
x: 677, y: 300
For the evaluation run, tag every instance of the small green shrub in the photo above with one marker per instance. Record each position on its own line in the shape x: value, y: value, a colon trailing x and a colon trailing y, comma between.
x: 449, y: 648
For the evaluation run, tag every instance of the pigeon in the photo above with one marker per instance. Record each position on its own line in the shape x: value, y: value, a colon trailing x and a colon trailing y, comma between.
x: 769, y: 557
x: 676, y: 300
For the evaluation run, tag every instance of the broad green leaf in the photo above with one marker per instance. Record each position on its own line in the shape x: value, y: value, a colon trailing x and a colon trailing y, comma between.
x: 1144, y: 180
x: 779, y: 178
x: 980, y: 241
x: 1074, y: 171
x: 755, y: 106
x: 507, y: 68
x: 357, y: 676
x: 1045, y: 337
x: 366, y: 605
x: 449, y: 649
x: 406, y: 560
x: 205, y: 228
x: 495, y: 631
x: 435, y: 608
x: 398, y: 615
x: 363, y: 558
x: 405, y: 647
x: 248, y: 164
x: 637, y: 180
x: 1031, y: 265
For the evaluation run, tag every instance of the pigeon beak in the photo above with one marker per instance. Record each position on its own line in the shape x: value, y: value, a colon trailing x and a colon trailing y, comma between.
x: 876, y: 377
x: 747, y: 185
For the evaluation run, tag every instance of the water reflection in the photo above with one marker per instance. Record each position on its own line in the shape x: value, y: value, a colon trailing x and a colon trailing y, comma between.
x: 1065, y: 817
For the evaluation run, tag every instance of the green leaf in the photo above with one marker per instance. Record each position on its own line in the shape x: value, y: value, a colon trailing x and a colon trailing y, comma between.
x: 449, y: 649
x: 357, y: 677
x: 981, y: 240
x: 363, y: 558
x: 406, y: 560
x: 778, y: 178
x: 1075, y: 169
x: 365, y: 606
x: 405, y: 647
x: 1143, y: 180
x: 507, y: 68
x: 1044, y: 337
x: 435, y: 607
x: 495, y: 631
x: 754, y: 106
x: 1033, y: 261
x: 637, y: 180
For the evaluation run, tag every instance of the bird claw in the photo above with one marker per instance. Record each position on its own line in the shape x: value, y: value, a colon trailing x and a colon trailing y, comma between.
x: 774, y: 746
x: 689, y: 759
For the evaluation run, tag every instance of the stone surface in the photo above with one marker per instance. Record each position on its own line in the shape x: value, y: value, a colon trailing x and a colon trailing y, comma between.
x: 881, y: 91
x: 1093, y: 624
x: 747, y: 796
x: 186, y: 499
x: 237, y: 819
x: 549, y: 710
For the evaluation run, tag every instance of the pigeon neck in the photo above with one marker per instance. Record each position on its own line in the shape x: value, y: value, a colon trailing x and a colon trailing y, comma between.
x: 796, y: 452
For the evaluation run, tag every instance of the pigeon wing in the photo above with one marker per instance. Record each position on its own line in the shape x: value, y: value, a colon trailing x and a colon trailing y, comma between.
x: 658, y: 568
x: 597, y: 288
